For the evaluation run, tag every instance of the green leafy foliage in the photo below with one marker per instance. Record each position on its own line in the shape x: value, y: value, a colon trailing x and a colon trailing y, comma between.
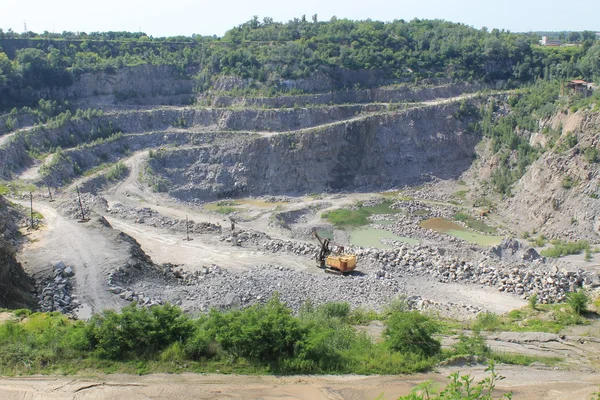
x: 563, y: 248
x: 412, y: 332
x: 461, y: 387
x: 260, y: 333
x: 137, y: 331
x: 578, y: 301
x: 533, y: 301
x: 473, y: 345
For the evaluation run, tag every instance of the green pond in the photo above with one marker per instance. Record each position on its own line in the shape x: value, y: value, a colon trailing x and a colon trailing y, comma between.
x: 370, y: 237
x: 442, y: 225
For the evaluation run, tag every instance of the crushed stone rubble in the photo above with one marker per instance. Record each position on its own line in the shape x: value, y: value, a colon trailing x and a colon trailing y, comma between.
x: 54, y: 293
x: 383, y: 276
x: 147, y: 216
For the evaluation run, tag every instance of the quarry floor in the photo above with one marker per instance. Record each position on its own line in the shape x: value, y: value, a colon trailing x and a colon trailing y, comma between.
x: 525, y: 383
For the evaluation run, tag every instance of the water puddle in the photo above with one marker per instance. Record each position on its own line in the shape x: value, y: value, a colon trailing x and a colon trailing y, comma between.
x: 371, y: 237
x: 442, y: 225
x: 384, y: 222
x: 325, y: 233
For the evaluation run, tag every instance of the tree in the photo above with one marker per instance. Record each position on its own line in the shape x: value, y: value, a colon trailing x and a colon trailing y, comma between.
x: 574, y: 37
x: 588, y: 35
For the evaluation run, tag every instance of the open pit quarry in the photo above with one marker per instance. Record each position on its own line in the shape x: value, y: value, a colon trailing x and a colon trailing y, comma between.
x: 214, y: 206
x: 274, y: 166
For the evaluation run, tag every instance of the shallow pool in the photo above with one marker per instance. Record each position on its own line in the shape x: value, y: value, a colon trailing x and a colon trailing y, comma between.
x: 447, y: 227
x: 371, y: 237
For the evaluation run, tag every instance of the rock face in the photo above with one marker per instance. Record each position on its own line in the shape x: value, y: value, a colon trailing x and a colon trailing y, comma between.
x: 371, y: 152
x: 15, y: 285
x: 558, y: 194
x: 141, y: 85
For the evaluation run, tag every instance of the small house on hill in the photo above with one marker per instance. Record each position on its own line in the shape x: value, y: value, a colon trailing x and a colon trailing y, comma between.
x: 580, y: 86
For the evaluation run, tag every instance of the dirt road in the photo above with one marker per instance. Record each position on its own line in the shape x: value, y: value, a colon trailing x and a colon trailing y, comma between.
x: 525, y: 382
x: 90, y: 252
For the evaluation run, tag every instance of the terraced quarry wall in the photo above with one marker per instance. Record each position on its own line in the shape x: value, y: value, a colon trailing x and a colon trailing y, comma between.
x: 373, y: 152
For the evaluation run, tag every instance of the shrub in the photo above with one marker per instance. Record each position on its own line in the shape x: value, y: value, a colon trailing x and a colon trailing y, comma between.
x: 335, y: 309
x: 473, y: 345
x: 568, y: 182
x: 533, y: 301
x: 578, y: 301
x: 117, y: 171
x: 591, y: 154
x: 261, y: 333
x: 487, y: 321
x: 137, y: 331
x: 459, y: 388
x: 562, y: 248
x: 412, y: 332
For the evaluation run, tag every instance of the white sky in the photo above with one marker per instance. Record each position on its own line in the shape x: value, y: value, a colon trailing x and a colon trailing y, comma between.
x: 185, y: 17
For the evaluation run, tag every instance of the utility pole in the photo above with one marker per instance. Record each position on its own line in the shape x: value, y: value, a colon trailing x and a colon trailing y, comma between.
x: 31, y: 209
x: 49, y: 192
x: 83, y: 218
x: 187, y: 229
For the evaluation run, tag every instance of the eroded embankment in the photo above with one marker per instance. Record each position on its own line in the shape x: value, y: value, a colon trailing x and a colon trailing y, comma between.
x: 15, y: 285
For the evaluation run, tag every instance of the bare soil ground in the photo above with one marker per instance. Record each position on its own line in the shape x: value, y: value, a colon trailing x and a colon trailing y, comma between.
x: 525, y: 383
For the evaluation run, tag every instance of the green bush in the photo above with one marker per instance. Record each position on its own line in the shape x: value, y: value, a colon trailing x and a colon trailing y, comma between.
x: 335, y: 309
x: 412, y: 332
x: 459, y: 388
x: 473, y: 345
x: 562, y: 248
x: 578, y: 301
x: 137, y: 331
x: 487, y: 321
x: 116, y: 172
x: 591, y: 154
x: 533, y: 301
x: 261, y: 333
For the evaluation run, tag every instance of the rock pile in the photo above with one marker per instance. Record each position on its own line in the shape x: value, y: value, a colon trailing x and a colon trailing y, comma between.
x: 148, y: 216
x: 550, y: 283
x: 54, y: 294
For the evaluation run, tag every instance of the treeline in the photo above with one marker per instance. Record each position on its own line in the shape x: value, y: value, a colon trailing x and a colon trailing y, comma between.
x: 267, y: 51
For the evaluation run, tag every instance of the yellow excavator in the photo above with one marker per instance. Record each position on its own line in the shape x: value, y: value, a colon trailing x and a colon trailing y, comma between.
x: 334, y: 261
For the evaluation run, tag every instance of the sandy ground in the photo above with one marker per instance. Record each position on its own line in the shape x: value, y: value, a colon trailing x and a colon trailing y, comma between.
x: 525, y: 383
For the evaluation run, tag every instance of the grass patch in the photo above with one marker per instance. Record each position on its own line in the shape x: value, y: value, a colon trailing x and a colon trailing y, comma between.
x: 474, y: 223
x: 461, y: 194
x: 563, y: 248
x: 223, y: 207
x: 345, y: 218
x: 16, y: 188
x: 551, y: 318
x: 523, y: 359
